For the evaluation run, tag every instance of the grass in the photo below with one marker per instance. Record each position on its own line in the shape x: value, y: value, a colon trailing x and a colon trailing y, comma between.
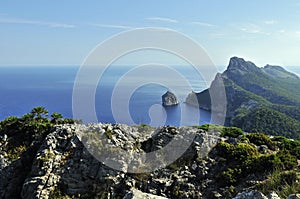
x: 283, y: 183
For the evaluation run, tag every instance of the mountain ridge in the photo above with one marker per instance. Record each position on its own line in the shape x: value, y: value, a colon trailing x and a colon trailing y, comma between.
x: 250, y: 89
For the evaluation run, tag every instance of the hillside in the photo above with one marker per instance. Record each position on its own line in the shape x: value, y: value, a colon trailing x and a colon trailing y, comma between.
x: 45, y: 158
x: 258, y: 99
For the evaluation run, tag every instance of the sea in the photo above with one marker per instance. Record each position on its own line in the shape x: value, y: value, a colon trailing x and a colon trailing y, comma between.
x: 138, y: 102
x: 120, y: 97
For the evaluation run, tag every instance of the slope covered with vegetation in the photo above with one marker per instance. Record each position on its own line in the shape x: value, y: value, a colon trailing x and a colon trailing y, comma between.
x: 259, y: 99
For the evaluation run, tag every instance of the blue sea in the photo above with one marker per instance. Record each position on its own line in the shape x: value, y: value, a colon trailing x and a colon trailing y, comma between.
x: 25, y: 87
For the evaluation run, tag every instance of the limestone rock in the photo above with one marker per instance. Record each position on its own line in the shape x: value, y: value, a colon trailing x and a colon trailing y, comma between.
x: 136, y: 194
x: 169, y: 99
x: 273, y: 195
x: 64, y: 163
x: 294, y: 196
x: 250, y: 195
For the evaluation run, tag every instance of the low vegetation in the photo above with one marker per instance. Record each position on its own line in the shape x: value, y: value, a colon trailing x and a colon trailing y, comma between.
x: 22, y: 131
x: 272, y: 122
x: 233, y: 132
x: 276, y: 167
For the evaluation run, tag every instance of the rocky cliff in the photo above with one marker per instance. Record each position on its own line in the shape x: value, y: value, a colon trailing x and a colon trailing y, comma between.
x: 270, y: 92
x: 59, y: 165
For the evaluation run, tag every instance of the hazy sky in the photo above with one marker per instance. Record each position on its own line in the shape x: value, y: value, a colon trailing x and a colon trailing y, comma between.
x: 64, y: 32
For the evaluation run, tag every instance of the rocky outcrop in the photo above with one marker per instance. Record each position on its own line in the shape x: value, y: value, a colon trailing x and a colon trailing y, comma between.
x: 169, y: 99
x: 62, y: 165
x: 65, y: 164
x: 256, y: 195
x: 294, y: 196
x: 136, y: 194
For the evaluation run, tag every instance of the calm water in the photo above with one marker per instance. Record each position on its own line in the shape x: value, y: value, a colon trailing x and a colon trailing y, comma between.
x: 23, y: 88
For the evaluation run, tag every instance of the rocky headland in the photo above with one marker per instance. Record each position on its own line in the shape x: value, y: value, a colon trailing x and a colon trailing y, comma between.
x: 262, y: 99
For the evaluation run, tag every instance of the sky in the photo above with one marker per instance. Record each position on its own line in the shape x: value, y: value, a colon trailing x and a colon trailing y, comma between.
x: 64, y: 32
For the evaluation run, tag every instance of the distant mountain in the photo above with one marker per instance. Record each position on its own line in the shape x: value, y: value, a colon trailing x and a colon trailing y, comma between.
x: 258, y: 99
x: 278, y: 71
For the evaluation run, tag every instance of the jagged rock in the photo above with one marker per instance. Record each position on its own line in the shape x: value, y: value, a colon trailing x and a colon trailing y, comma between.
x: 239, y: 66
x: 294, y: 196
x: 273, y: 195
x: 136, y: 194
x: 169, y: 99
x: 256, y: 195
x: 250, y: 195
x: 63, y: 162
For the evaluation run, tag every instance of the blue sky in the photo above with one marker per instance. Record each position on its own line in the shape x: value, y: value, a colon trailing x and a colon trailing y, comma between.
x: 64, y: 32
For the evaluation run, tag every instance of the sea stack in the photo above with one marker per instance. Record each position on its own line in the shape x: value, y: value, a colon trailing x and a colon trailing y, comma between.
x: 169, y: 99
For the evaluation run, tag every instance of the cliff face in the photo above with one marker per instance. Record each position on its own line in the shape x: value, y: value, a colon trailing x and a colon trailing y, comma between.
x: 62, y: 165
x: 249, y: 89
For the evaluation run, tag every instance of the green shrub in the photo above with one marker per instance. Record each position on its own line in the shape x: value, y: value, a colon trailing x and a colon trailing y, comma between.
x: 211, y: 127
x: 233, y: 132
x: 230, y: 176
x: 289, y: 161
x: 267, y: 163
x: 261, y: 139
x: 240, y: 151
x: 292, y: 146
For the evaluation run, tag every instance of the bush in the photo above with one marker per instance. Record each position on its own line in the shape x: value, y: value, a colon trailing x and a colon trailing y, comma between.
x: 267, y: 163
x: 211, y: 127
x: 240, y: 151
x: 289, y: 161
x: 291, y: 145
x: 261, y: 139
x: 230, y: 176
x: 233, y: 132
